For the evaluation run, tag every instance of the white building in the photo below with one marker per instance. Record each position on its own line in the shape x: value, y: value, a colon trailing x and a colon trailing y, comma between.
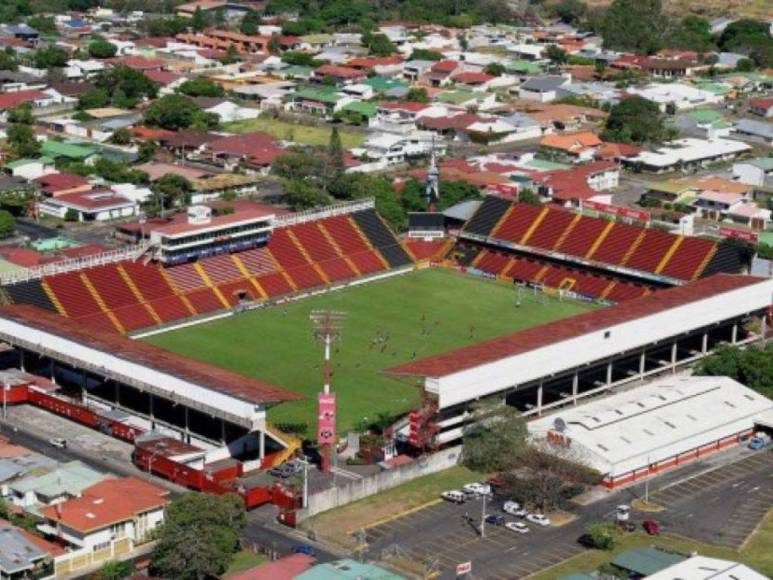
x: 686, y: 153
x: 640, y: 432
x: 704, y: 568
x: 680, y: 95
x: 757, y: 171
x: 115, y: 510
x: 101, y: 205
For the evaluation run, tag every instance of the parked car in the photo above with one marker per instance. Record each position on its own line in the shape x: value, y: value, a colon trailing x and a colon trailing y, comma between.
x: 58, y: 442
x: 496, y: 481
x: 477, y: 488
x: 510, y: 507
x: 283, y: 471
x: 517, y: 527
x: 454, y: 496
x: 651, y: 527
x: 756, y: 443
x: 305, y: 549
x: 538, y: 519
x: 623, y: 513
x: 627, y: 526
x: 495, y: 520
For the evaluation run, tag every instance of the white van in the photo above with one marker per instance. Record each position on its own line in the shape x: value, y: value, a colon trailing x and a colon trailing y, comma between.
x: 454, y: 496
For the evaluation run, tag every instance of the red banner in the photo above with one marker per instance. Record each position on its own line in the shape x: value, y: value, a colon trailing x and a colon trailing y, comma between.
x: 739, y: 234
x: 619, y: 211
x: 326, y: 421
x: 509, y: 190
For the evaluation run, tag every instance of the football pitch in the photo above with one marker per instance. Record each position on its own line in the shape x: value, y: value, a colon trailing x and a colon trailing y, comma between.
x: 390, y: 321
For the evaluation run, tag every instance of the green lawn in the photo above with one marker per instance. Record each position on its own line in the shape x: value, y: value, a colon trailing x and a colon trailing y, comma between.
x: 275, y: 344
x: 304, y: 134
x: 338, y: 525
x: 244, y: 560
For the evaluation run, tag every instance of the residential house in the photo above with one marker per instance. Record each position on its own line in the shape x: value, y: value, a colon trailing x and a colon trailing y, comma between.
x: 543, y: 89
x: 762, y: 107
x: 323, y: 101
x: 680, y: 96
x: 574, y: 147
x: 226, y: 109
x: 24, y: 555
x: 757, y: 172
x: 71, y: 151
x: 479, y: 101
x: 415, y: 69
x: 341, y: 74
x: 706, y: 123
x: 83, y: 69
x: 687, y: 153
x: 54, y: 184
x: 755, y: 130
x: 30, y: 168
x: 392, y: 148
x: 117, y: 511
x: 257, y: 149
x: 388, y: 66
x: 572, y: 186
x: 89, y: 206
x: 67, y: 481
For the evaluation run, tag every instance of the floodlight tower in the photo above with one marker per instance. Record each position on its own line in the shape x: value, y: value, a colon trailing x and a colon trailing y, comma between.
x: 432, y: 188
x: 327, y: 328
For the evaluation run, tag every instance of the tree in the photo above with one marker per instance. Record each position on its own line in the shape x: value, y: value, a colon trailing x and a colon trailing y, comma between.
x: 171, y: 190
x: 249, y: 24
x: 121, y: 136
x: 50, y: 57
x: 274, y: 45
x: 495, y: 69
x: 556, y: 54
x: 102, y: 49
x: 171, y: 112
x: 571, y: 11
x: 7, y: 224
x: 691, y: 33
x: 114, y: 570
x: 22, y: 141
x: 125, y: 86
x: 378, y: 44
x: 745, y: 65
x: 300, y: 58
x: 750, y: 37
x: 424, y: 54
x: 635, y: 120
x: 93, y: 99
x: 200, y: 20
x: 208, y: 527
x: 752, y: 366
x: 493, y: 437
x: 43, y: 24
x: 231, y: 55
x: 301, y: 195
x: 201, y: 87
x: 147, y: 151
x: 417, y: 94
x: 8, y: 59
x: 528, y: 196
x: 335, y: 152
x: 635, y: 25
x: 604, y: 535
x: 21, y: 114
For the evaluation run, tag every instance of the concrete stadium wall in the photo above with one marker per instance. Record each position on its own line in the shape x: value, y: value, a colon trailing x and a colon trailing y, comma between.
x: 359, y: 489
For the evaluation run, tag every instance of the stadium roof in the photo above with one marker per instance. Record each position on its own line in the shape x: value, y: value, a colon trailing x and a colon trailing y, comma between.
x: 163, y: 361
x: 539, y: 336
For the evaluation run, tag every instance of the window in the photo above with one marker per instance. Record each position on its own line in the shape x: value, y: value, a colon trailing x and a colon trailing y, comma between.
x: 729, y: 404
x: 101, y: 546
x: 607, y: 333
x: 600, y: 446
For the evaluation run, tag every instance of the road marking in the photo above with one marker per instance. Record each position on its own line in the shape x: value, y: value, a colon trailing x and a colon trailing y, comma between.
x: 754, y: 489
x: 404, y: 513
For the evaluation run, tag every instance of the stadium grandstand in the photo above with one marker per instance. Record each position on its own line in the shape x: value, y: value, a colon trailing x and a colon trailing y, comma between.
x: 229, y: 260
x: 586, y: 256
x: 548, y: 366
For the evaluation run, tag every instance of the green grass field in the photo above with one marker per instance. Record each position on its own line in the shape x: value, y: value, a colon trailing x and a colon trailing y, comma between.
x: 276, y: 344
x: 304, y: 134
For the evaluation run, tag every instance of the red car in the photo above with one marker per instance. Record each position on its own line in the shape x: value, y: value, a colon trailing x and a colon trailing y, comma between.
x: 651, y: 527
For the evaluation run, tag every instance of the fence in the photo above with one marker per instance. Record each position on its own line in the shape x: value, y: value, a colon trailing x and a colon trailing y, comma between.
x: 358, y: 489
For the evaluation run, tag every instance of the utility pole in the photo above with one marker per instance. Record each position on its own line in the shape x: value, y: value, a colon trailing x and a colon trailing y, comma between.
x: 647, y: 483
x: 305, y: 462
x: 327, y: 327
x: 483, y: 518
x: 6, y: 388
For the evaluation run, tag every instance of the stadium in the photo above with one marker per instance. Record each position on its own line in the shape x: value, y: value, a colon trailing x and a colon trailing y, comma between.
x: 194, y: 342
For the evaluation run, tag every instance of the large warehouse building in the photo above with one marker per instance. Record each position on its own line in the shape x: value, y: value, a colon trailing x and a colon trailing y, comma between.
x: 640, y: 432
x: 548, y: 366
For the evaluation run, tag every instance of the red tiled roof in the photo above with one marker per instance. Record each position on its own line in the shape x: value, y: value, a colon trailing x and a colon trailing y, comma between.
x: 25, y: 257
x: 150, y: 133
x: 333, y: 70
x: 11, y: 100
x: 285, y: 568
x: 572, y: 183
x: 162, y: 77
x: 445, y: 66
x: 456, y: 122
x: 60, y: 181
x: 574, y: 142
x: 205, y: 375
x: 367, y: 62
x: 408, y: 106
x: 79, y: 251
x: 108, y: 502
x: 243, y: 145
x: 138, y: 62
x: 93, y: 200
x: 763, y: 103
x: 472, y: 78
x: 560, y: 330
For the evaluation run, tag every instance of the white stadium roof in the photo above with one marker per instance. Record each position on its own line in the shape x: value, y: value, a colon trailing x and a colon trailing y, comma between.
x: 654, y: 422
x: 703, y: 568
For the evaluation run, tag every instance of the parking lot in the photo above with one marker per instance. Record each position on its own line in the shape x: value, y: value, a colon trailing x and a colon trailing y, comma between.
x: 721, y: 506
x: 441, y: 533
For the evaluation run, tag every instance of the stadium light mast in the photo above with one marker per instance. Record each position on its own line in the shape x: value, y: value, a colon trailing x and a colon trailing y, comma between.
x: 327, y: 328
x: 432, y: 188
